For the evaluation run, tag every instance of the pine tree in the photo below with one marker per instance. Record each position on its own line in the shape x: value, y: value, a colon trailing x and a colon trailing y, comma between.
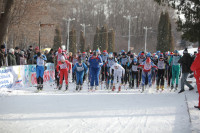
x: 82, y: 42
x: 164, y: 37
x: 190, y: 10
x: 104, y: 38
x: 96, y: 39
x: 57, y: 38
x: 111, y: 41
x: 72, y: 41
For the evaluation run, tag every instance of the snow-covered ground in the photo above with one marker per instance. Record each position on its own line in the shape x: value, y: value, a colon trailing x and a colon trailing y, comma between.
x: 129, y: 111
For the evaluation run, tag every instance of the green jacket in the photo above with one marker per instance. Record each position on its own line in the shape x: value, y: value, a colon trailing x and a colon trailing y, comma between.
x: 11, y: 60
x: 2, y: 59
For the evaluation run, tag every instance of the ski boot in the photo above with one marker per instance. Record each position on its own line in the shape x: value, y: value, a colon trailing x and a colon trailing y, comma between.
x: 172, y: 87
x: 107, y: 86
x: 66, y: 87
x: 176, y: 87
x: 113, y: 88
x: 60, y: 87
x: 162, y: 87
x: 157, y: 87
x: 119, y: 89
x: 91, y: 88
x: 142, y: 88
x: 41, y: 87
x: 77, y: 87
x: 96, y: 87
x: 38, y: 87
x: 81, y: 87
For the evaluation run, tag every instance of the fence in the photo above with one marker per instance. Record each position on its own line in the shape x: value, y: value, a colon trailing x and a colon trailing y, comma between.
x: 24, y: 76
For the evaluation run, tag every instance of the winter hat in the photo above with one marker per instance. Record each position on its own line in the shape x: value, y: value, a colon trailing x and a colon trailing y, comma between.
x: 161, y: 56
x: 3, y: 46
x: 37, y: 48
x: 156, y: 56
x: 11, y: 50
x: 104, y: 52
x: 131, y: 56
x: 16, y: 48
x: 185, y: 51
x: 62, y: 58
x: 110, y: 55
x: 129, y: 52
x: 148, y: 60
x: 171, y: 53
x: 149, y: 54
x: 38, y: 54
x: 94, y: 53
x: 176, y: 51
x: 123, y: 53
x: 135, y: 60
x: 84, y: 53
x: 22, y: 52
x: 59, y: 50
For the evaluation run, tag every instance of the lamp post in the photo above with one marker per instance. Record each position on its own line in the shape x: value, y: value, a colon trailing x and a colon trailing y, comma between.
x: 68, y: 25
x: 129, y: 31
x: 145, y: 44
x: 84, y: 26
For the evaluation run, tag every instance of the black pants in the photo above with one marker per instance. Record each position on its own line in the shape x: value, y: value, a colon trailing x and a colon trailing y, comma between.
x: 40, y: 80
x: 135, y: 78
x: 103, y: 73
x: 125, y: 75
x: 160, y: 80
x: 56, y: 77
x: 169, y: 75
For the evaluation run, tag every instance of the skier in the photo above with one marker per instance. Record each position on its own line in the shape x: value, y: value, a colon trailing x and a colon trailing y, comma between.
x: 117, y: 72
x: 84, y: 59
x: 154, y: 71
x: 95, y: 63
x: 161, y: 63
x: 110, y: 62
x: 141, y: 58
x: 130, y: 60
x: 63, y: 67
x: 74, y: 61
x: 169, y: 70
x: 103, y: 68
x: 40, y: 63
x: 146, y: 71
x: 134, y: 72
x: 123, y: 62
x: 175, y: 68
x: 195, y: 67
x: 80, y: 69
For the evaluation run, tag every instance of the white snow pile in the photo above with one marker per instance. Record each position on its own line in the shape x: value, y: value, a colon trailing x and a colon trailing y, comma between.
x: 190, y: 50
x: 102, y: 111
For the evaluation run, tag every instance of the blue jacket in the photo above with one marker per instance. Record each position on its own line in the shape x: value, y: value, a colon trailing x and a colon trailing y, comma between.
x: 80, y: 69
x: 95, y: 62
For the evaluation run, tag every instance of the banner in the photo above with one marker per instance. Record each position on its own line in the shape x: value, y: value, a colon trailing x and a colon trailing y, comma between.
x: 24, y: 76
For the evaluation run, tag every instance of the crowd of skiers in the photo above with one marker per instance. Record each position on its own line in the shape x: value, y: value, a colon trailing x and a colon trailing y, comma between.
x: 112, y: 69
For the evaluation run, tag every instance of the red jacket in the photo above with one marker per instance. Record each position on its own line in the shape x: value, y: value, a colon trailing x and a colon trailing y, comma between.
x: 66, y: 65
x: 196, y: 66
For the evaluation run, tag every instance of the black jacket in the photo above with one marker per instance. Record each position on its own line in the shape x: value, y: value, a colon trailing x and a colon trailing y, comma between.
x: 186, y: 61
x: 17, y: 57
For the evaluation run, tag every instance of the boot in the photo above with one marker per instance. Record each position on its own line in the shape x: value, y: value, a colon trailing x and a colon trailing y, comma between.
x: 176, y: 87
x: 157, y: 87
x: 77, y: 87
x: 142, y: 88
x: 60, y: 86
x: 81, y: 86
x: 197, y: 107
x: 91, y: 88
x: 181, y: 91
x: 113, y: 89
x: 38, y: 86
x: 107, y: 86
x: 96, y: 87
x: 172, y: 87
x: 162, y: 87
x: 119, y: 89
x: 191, y: 89
x: 66, y: 87
x: 41, y: 86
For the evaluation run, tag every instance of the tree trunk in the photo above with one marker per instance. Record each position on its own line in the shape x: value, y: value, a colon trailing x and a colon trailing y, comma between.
x: 5, y: 19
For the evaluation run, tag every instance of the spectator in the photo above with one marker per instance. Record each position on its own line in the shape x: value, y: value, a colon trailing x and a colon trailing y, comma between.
x: 30, y: 55
x: 11, y: 58
x: 17, y: 55
x: 70, y: 57
x: 2, y: 56
x: 46, y: 52
x: 37, y: 50
x: 185, y: 62
x: 23, y: 60
x: 50, y: 56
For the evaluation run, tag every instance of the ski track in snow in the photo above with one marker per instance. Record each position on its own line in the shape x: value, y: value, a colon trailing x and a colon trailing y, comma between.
x: 101, y: 111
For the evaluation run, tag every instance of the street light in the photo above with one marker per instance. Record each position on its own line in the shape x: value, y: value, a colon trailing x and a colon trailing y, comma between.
x: 84, y: 26
x: 68, y: 25
x: 129, y: 32
x: 145, y: 44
